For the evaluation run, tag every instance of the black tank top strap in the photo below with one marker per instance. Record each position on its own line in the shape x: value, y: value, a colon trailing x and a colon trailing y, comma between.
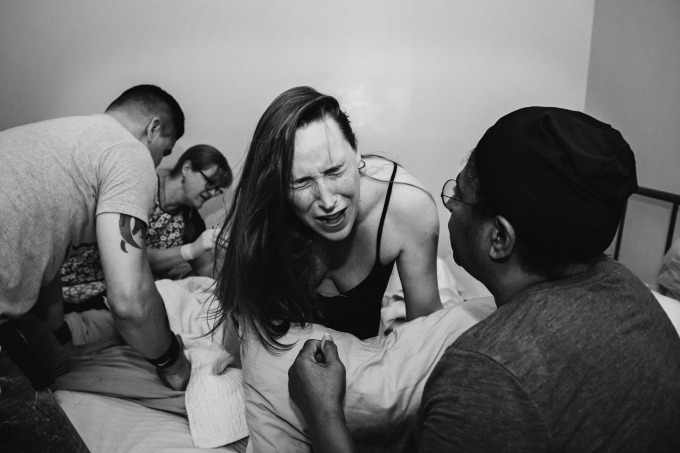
x: 384, y: 213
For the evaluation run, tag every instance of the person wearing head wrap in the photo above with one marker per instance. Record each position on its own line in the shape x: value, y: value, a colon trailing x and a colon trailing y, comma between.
x: 579, y: 355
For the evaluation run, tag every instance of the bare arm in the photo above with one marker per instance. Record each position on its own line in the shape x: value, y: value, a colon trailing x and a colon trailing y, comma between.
x: 136, y: 305
x: 162, y: 260
x: 417, y: 261
x: 200, y: 251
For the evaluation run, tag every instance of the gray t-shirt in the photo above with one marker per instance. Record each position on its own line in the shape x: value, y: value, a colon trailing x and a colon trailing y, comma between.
x: 56, y: 176
x: 588, y: 363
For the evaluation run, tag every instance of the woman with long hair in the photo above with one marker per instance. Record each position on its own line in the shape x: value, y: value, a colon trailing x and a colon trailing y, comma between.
x: 314, y: 229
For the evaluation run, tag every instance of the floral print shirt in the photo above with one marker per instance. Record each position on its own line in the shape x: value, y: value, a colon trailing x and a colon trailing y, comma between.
x: 82, y: 276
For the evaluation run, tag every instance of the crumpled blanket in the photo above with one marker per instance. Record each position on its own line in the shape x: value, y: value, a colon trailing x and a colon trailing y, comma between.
x: 214, y: 396
x: 213, y: 400
x: 393, y: 311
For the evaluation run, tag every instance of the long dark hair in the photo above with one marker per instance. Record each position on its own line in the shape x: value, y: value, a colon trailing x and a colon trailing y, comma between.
x: 267, y: 275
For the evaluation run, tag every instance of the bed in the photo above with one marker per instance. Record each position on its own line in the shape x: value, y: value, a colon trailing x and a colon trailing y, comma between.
x: 111, y: 424
x: 118, y: 404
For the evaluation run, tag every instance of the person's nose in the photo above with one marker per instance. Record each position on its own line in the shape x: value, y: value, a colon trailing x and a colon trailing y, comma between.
x: 326, y: 193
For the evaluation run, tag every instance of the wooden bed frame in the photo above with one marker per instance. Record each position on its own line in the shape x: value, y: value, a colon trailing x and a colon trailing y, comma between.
x: 671, y: 198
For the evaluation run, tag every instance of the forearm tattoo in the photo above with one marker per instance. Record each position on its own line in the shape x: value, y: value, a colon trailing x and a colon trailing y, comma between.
x: 128, y: 230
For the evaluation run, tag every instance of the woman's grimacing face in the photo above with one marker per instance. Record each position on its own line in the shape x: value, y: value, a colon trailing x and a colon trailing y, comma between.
x: 325, y: 180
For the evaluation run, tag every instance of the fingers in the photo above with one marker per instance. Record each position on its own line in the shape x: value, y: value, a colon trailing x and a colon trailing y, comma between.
x: 329, y: 349
x: 211, y: 236
x: 206, y: 241
x: 309, y: 351
x: 317, y: 377
x: 320, y: 351
x: 319, y: 356
x: 309, y: 347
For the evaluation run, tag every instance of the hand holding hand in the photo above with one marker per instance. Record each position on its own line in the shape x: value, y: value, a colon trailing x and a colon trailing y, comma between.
x: 316, y: 380
x: 177, y: 375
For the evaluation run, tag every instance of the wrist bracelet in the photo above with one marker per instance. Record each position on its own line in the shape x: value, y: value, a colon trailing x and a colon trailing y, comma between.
x: 170, y: 357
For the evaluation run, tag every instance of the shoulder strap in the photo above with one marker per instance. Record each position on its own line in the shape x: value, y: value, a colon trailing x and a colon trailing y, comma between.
x: 384, y: 213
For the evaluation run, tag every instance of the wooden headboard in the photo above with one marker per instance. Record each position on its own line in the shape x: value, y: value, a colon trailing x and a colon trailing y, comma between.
x: 671, y: 198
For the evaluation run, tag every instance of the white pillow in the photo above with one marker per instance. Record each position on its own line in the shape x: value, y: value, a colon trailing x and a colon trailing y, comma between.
x: 385, y: 379
x: 671, y: 307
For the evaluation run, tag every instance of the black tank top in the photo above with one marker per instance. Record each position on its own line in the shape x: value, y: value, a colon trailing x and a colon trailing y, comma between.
x: 357, y: 311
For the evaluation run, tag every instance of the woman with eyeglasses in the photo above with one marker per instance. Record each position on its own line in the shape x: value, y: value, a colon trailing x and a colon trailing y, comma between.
x: 176, y: 232
x: 315, y: 229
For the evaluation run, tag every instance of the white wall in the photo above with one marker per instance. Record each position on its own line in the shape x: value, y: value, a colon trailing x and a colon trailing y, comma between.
x: 421, y: 80
x: 634, y: 84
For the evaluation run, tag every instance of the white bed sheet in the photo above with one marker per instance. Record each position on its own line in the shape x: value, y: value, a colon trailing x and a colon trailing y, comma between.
x: 113, y: 425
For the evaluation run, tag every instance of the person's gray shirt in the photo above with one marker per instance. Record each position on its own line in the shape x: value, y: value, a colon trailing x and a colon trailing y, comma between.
x: 588, y: 363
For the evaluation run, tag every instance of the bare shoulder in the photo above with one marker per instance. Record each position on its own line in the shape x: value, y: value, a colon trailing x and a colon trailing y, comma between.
x: 412, y: 206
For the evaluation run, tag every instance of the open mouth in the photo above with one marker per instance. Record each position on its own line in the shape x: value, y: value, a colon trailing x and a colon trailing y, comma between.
x: 332, y: 220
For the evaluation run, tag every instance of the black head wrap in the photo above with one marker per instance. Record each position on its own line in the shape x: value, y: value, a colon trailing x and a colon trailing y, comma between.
x: 560, y: 177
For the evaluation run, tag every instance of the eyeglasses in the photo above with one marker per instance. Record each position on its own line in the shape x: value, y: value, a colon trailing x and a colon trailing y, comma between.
x: 210, y: 186
x: 449, y: 193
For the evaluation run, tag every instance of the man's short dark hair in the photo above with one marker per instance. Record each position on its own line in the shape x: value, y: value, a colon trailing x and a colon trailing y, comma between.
x: 152, y: 100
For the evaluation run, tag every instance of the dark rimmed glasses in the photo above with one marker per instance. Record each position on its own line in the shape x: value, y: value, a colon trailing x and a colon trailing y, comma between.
x: 449, y: 194
x: 211, y: 186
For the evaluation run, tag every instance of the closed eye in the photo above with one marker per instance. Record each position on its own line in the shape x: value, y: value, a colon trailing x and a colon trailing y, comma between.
x: 304, y: 183
x: 335, y: 171
x: 299, y: 185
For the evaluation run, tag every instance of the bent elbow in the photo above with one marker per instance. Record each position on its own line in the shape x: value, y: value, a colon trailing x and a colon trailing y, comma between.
x: 130, y: 305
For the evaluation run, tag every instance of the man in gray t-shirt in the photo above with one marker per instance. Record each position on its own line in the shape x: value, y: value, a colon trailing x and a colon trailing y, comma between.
x: 68, y: 183
x: 579, y: 356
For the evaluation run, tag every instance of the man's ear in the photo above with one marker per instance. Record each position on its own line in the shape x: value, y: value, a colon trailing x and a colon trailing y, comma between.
x: 153, y: 129
x: 502, y: 239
